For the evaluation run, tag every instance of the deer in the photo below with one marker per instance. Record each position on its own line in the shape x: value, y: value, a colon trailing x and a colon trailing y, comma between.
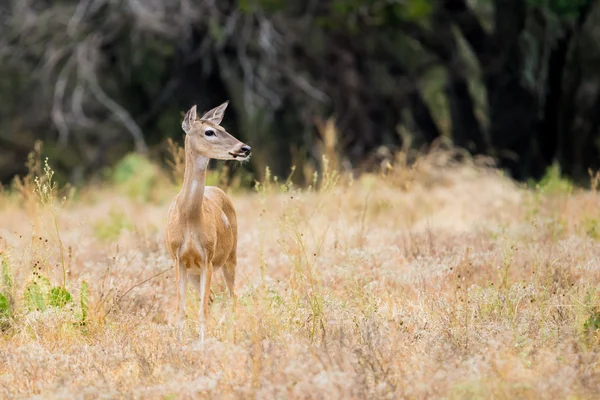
x: 201, y: 229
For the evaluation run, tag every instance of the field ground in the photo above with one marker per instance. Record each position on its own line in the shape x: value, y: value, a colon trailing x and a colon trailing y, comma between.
x: 447, y: 281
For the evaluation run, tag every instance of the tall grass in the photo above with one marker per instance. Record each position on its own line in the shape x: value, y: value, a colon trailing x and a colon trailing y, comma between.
x: 435, y: 277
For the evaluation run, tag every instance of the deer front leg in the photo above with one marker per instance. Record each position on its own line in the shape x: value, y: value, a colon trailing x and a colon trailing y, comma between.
x: 181, y: 273
x: 205, y: 278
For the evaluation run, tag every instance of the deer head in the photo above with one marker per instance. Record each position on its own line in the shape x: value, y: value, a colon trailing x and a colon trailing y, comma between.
x: 206, y: 137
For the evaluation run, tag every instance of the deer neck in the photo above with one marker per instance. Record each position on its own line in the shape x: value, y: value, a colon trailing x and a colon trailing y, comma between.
x: 194, y: 182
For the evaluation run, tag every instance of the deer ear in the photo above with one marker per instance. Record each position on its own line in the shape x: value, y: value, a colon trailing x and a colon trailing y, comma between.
x: 216, y: 114
x: 189, y: 119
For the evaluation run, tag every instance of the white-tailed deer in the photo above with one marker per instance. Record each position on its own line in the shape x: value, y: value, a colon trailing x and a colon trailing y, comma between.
x: 201, y: 230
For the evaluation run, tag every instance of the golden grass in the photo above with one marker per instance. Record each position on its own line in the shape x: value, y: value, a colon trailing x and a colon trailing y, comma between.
x: 447, y: 280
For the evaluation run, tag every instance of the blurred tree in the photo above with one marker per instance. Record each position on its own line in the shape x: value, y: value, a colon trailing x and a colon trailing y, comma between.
x: 515, y: 79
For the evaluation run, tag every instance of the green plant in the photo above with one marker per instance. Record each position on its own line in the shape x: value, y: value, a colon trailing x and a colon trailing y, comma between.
x: 6, y: 284
x: 4, y: 308
x: 84, y: 299
x: 591, y: 227
x: 6, y: 291
x: 111, y: 228
x: 553, y: 182
x: 36, y: 293
x: 59, y: 297
x: 136, y: 177
x: 40, y: 294
x: 47, y: 192
x: 592, y: 324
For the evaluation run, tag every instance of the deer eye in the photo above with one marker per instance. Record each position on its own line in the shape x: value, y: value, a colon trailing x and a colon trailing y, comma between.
x: 209, y: 132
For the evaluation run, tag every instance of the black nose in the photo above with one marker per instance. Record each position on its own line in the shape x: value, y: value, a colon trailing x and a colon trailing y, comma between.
x: 246, y: 149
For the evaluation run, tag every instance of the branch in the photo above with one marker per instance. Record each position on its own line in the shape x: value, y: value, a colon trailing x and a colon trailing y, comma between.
x: 584, y: 13
x: 119, y: 298
x: 440, y: 41
x: 466, y: 129
x: 86, y: 66
x: 120, y: 113
x: 77, y: 100
x: 470, y: 27
x: 165, y: 95
x: 77, y: 17
x: 509, y: 18
x: 428, y: 39
x: 558, y: 117
x: 57, y: 114
x: 304, y: 85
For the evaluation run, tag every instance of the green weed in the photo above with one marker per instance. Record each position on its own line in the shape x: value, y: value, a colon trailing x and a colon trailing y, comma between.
x: 138, y: 178
x: 111, y: 228
x: 553, y: 182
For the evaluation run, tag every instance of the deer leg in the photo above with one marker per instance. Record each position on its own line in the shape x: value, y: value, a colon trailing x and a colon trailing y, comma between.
x: 181, y: 272
x: 195, y: 280
x: 178, y: 295
x: 205, y: 278
x: 229, y: 275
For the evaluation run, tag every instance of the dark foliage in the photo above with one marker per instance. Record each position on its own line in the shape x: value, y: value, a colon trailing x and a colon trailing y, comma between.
x: 514, y: 79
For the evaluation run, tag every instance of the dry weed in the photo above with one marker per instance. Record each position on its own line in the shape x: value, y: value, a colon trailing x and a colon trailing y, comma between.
x: 445, y: 282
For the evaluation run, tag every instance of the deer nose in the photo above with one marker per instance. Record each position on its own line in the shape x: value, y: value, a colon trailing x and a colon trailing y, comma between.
x: 246, y: 149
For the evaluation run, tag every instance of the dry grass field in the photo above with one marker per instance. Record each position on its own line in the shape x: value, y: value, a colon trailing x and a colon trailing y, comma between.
x: 443, y: 280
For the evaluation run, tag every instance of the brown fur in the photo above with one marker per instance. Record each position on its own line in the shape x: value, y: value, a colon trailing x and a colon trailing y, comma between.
x: 201, y: 231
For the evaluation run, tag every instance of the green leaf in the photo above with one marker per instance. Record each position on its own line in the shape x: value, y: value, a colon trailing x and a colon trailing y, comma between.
x: 59, y: 297
x: 4, y: 307
x: 593, y: 322
x: 34, y: 297
x: 7, y: 281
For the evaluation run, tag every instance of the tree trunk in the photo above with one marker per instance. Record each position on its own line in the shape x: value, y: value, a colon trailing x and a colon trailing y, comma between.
x: 512, y: 108
x: 513, y: 122
x: 466, y: 129
x: 422, y: 117
x: 559, y: 107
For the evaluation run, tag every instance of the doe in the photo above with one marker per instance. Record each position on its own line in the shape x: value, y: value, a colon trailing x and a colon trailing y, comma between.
x: 201, y: 231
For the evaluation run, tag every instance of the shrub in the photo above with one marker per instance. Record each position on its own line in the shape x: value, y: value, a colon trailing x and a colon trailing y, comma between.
x: 137, y: 177
x: 111, y: 228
